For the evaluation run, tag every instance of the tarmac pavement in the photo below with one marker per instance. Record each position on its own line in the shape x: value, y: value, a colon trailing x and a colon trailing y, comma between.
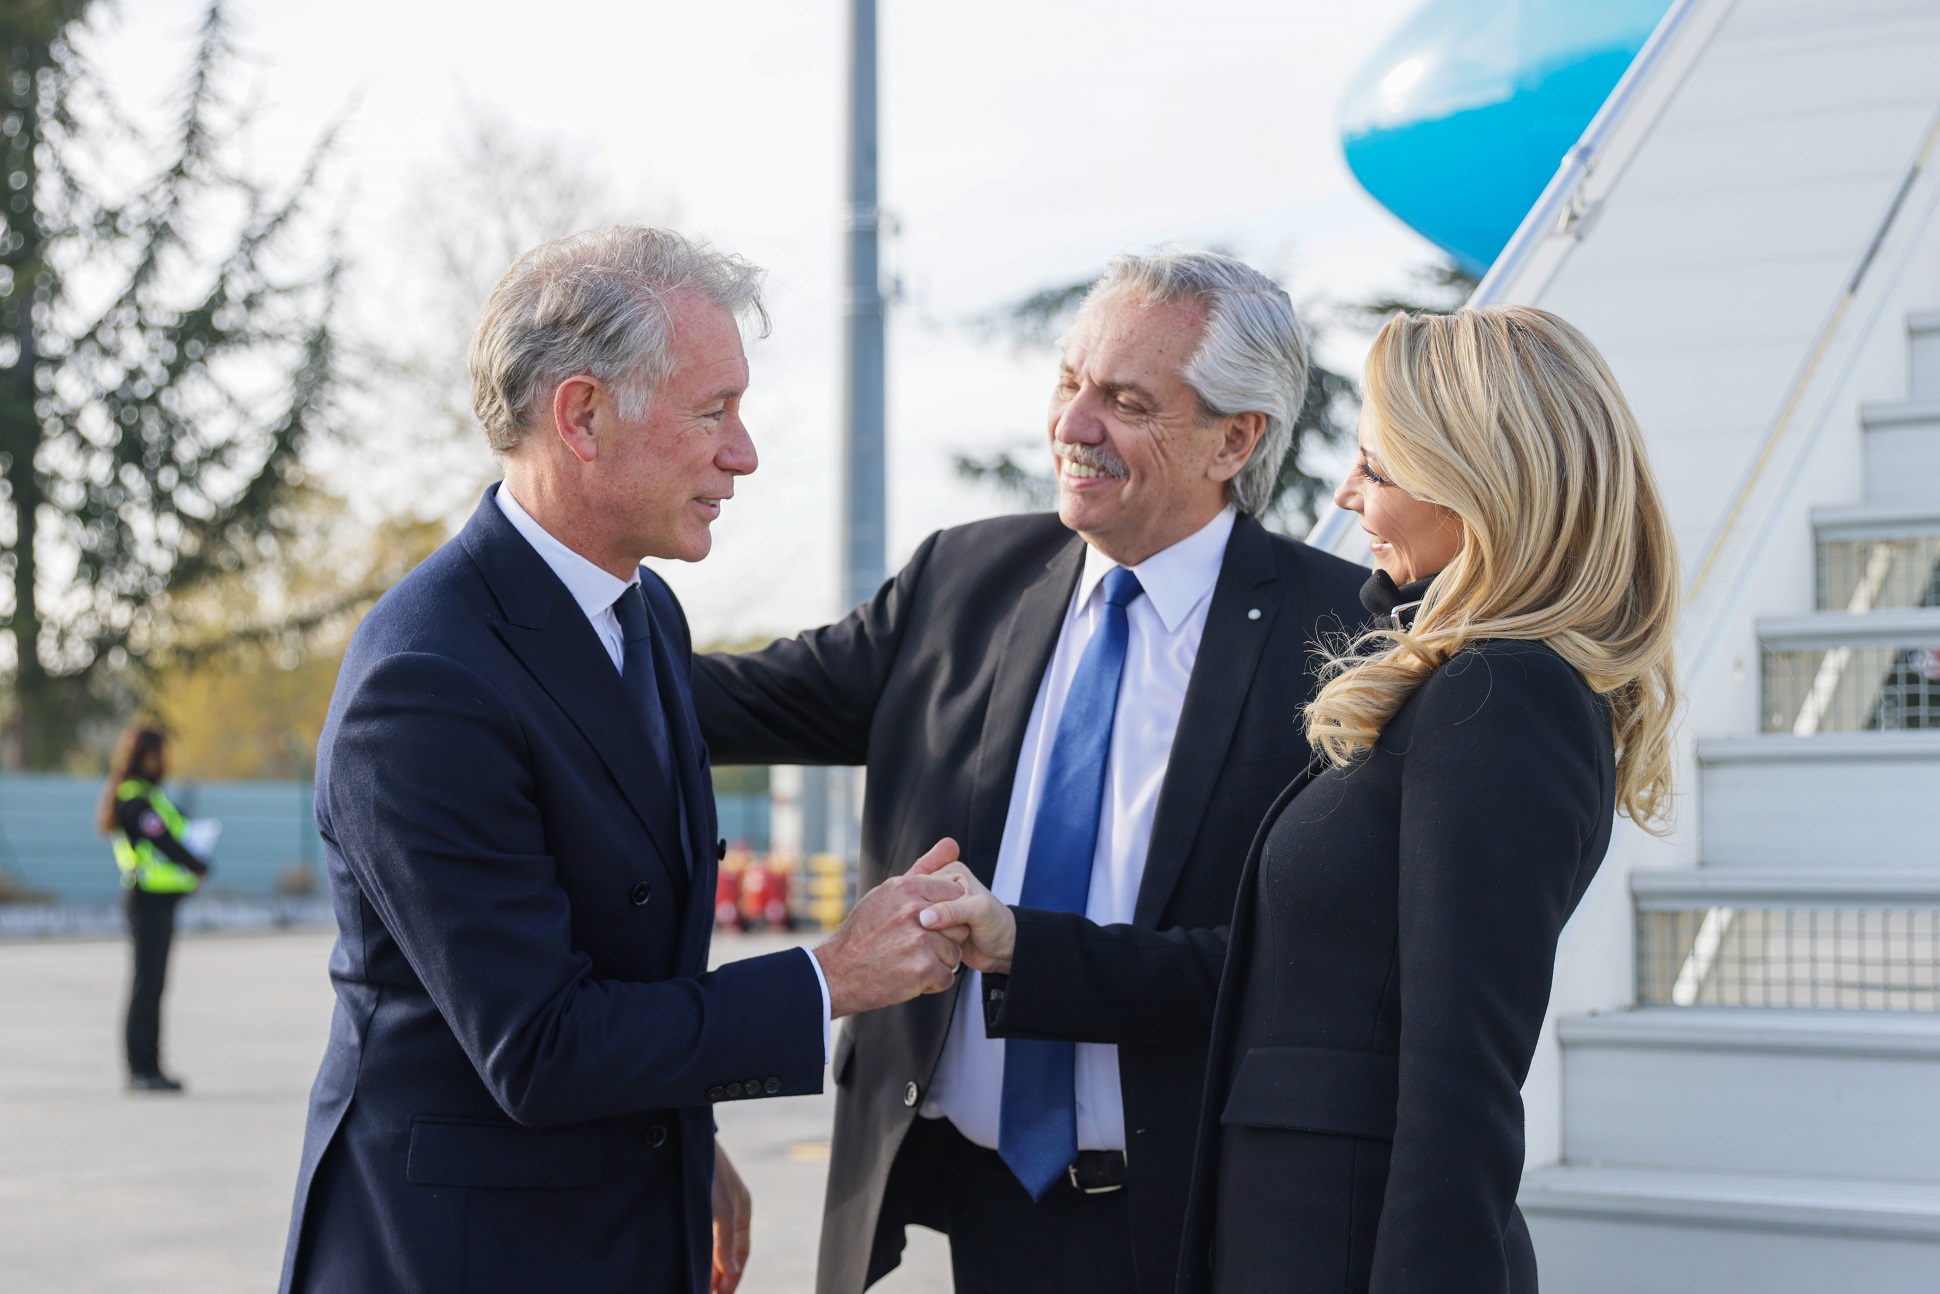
x: 107, y: 1192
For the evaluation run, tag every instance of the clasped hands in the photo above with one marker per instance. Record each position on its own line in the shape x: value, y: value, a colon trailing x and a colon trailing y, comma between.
x: 904, y: 938
x: 908, y: 936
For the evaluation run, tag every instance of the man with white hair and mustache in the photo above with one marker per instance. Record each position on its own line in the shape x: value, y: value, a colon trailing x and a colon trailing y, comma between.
x: 1101, y: 718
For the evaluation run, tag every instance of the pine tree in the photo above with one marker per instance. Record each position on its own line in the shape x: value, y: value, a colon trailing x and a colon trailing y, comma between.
x: 158, y: 379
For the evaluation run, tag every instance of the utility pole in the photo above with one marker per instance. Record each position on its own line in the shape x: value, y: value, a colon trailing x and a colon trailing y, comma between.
x: 831, y: 798
x: 864, y: 532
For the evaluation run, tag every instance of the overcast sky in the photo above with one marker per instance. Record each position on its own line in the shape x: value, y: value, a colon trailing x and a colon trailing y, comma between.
x: 1024, y: 142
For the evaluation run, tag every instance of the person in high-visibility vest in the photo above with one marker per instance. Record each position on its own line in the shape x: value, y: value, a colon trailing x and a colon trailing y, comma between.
x: 157, y: 870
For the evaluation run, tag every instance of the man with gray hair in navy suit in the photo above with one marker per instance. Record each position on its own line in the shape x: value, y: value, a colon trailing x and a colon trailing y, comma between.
x: 515, y: 805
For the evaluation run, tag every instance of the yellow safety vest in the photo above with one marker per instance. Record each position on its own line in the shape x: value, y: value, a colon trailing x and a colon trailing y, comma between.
x: 144, y: 867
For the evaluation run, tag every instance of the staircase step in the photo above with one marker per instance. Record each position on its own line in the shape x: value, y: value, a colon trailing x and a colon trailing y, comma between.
x: 1655, y: 1231
x: 1809, y: 1093
x: 1877, y: 520
x: 1820, y: 630
x: 1706, y: 887
x: 1902, y: 451
x: 1864, y: 800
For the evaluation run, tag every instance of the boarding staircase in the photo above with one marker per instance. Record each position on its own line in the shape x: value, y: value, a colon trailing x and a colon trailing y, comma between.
x: 1767, y: 1117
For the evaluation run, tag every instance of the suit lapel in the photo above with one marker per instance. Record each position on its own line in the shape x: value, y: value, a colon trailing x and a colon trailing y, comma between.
x: 1229, y: 653
x: 1024, y: 646
x: 552, y: 638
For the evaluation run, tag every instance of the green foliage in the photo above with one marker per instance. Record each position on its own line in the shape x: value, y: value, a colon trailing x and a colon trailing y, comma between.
x: 243, y: 679
x: 1038, y: 319
x: 158, y: 379
x: 1435, y: 289
x: 31, y: 22
x: 1034, y: 491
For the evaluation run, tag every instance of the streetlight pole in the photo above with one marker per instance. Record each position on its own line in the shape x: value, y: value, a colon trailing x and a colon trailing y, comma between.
x: 864, y: 548
x: 865, y: 558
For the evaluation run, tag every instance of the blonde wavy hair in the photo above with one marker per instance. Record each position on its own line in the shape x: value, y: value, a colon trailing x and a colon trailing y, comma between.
x: 1508, y: 417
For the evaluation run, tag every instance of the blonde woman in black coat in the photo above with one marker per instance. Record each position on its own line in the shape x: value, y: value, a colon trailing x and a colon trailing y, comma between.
x: 1395, y: 938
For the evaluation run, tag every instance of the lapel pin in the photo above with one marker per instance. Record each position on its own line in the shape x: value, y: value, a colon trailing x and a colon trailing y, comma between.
x: 1254, y: 614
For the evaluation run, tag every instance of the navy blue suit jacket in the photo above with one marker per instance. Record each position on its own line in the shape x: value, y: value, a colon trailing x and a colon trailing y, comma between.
x: 516, y: 1091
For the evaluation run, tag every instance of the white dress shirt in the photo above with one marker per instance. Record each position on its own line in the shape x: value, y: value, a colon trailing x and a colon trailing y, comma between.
x: 1166, y: 625
x: 596, y: 589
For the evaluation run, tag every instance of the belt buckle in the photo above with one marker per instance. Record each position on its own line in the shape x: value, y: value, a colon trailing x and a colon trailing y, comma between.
x: 1076, y: 1185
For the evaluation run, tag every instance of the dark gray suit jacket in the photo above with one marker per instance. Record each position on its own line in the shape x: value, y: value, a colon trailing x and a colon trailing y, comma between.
x: 930, y: 684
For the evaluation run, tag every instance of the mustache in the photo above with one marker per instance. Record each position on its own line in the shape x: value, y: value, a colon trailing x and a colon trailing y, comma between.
x: 1096, y: 457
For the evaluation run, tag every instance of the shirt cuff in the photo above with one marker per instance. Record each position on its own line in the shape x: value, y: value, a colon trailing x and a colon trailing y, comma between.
x: 828, y: 1012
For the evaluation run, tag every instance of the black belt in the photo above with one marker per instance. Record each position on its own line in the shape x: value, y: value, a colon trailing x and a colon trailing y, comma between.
x: 1098, y: 1172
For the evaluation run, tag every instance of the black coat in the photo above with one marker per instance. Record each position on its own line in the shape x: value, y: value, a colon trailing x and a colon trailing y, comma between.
x: 516, y: 1094
x: 1390, y: 968
x: 931, y: 685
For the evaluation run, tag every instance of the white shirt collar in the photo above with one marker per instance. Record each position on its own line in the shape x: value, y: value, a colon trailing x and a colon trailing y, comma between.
x: 593, y: 588
x: 1175, y: 579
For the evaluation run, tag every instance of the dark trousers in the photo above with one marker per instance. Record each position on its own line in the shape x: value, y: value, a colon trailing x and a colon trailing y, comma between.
x: 151, y: 920
x: 1001, y: 1242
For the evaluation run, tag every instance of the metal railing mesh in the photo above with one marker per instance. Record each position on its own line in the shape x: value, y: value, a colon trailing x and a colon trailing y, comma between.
x: 1854, y: 959
x: 1851, y: 689
x: 1872, y: 688
x: 1879, y: 574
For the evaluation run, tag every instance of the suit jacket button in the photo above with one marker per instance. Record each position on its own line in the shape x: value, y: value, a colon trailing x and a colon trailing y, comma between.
x: 752, y: 1087
x: 640, y: 894
x: 910, y: 1093
x: 720, y: 850
x: 772, y: 1086
x: 733, y: 1090
x: 716, y: 1093
x: 657, y: 1135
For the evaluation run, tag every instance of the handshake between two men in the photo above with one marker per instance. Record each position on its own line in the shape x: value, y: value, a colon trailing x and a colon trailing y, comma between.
x: 909, y: 935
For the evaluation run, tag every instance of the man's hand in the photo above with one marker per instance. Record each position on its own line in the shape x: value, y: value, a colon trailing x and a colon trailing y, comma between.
x: 733, y: 1219
x: 986, y: 928
x: 880, y: 955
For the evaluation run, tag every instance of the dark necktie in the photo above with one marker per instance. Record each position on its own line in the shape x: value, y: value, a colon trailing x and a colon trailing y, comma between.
x: 637, y: 673
x: 1038, y: 1131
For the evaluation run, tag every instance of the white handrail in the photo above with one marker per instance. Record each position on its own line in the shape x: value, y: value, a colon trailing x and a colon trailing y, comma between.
x: 1556, y: 209
x: 1331, y: 531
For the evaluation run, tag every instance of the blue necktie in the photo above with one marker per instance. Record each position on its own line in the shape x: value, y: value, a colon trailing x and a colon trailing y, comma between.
x: 1038, y: 1133
x: 637, y: 673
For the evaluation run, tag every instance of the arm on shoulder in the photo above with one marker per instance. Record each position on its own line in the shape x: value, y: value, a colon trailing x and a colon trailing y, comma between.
x: 809, y: 699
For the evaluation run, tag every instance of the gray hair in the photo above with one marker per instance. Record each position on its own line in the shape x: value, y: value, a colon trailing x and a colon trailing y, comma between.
x: 1252, y: 358
x: 595, y: 303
